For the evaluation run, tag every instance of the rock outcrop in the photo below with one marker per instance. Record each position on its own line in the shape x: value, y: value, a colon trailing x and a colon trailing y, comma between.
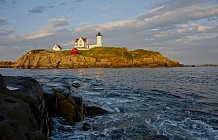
x: 26, y: 107
x: 23, y: 114
x: 6, y: 64
x: 62, y: 99
x: 97, y: 57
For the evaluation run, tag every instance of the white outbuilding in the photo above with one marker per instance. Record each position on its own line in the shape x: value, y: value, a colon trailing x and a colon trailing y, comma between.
x: 57, y: 48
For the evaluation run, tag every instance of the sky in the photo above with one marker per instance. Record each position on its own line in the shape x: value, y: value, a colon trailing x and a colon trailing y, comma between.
x: 182, y: 30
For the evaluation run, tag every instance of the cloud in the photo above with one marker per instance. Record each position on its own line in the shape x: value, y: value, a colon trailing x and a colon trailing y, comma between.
x: 39, y: 34
x: 62, y: 3
x: 3, y: 21
x: 47, y: 30
x: 193, y: 27
x: 6, y: 32
x: 37, y: 9
x: 167, y: 19
x: 50, y: 5
x: 156, y: 9
x: 202, y: 28
x: 57, y: 22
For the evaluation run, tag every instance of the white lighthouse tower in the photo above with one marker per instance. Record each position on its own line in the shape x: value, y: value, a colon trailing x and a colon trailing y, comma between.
x: 99, y: 39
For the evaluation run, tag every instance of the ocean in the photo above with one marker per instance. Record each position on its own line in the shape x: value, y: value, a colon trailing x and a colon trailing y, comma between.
x: 181, y: 103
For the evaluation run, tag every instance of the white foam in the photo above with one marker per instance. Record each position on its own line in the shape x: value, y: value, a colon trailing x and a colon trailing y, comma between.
x: 12, y: 88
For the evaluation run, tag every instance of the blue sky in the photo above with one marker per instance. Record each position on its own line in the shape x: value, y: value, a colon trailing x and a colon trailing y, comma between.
x: 183, y: 30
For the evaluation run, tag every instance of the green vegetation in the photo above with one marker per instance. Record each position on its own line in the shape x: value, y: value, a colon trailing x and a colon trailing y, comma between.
x: 105, y: 52
x: 36, y: 51
x: 66, y: 52
x: 139, y: 53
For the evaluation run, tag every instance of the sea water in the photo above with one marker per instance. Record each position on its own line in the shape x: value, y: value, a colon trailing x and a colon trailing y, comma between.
x: 181, y: 103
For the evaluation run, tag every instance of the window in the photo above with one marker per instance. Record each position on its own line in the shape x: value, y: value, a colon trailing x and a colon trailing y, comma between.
x: 80, y: 43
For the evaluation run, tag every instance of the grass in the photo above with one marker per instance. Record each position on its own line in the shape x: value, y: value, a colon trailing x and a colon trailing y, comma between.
x: 66, y: 52
x: 105, y: 52
x: 36, y: 51
x: 139, y: 53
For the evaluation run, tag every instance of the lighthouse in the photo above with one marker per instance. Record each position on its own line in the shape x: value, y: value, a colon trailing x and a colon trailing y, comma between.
x: 99, y: 39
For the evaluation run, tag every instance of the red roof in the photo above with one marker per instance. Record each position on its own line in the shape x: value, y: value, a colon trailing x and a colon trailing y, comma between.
x: 84, y: 39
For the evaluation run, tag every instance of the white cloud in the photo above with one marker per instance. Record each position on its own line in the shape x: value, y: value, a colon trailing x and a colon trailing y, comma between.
x: 47, y: 30
x: 202, y: 28
x: 160, y: 20
x: 156, y: 9
x: 38, y: 34
x: 58, y: 22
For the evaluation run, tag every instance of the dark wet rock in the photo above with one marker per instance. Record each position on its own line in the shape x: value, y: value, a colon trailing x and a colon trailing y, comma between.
x: 68, y: 108
x: 86, y: 126
x: 2, y: 118
x: 50, y: 103
x: 37, y: 135
x: 62, y: 90
x: 22, y: 108
x: 26, y: 107
x: 76, y: 84
x: 10, y: 101
x: 73, y: 108
x: 91, y: 109
x: 63, y: 99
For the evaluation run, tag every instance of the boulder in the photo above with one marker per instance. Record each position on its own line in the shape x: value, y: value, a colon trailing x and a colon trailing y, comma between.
x: 22, y: 109
x: 68, y: 108
x: 91, y: 109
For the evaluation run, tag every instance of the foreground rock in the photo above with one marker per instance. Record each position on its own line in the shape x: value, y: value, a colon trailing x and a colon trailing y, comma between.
x: 96, y: 57
x: 26, y: 109
x: 23, y: 113
x: 62, y: 99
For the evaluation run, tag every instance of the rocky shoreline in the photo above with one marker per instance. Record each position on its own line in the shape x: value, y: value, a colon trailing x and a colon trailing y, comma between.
x: 6, y: 64
x: 26, y: 109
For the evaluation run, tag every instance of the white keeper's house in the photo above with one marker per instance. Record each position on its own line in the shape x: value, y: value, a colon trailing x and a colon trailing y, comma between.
x: 82, y: 43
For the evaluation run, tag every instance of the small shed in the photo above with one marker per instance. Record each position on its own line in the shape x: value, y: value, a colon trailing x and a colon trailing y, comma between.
x: 57, y: 48
x: 74, y: 51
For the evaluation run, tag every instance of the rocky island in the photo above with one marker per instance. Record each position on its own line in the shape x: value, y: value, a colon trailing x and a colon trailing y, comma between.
x: 104, y: 57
